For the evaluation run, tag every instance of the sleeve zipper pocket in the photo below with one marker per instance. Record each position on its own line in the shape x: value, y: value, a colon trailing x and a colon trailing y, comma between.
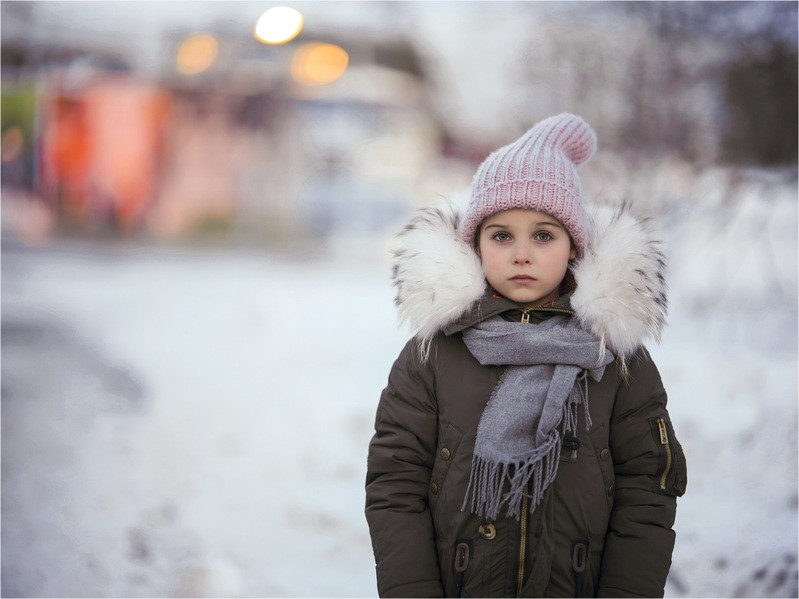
x: 664, y: 440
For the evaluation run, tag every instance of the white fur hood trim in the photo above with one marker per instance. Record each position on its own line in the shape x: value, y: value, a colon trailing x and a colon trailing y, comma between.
x: 620, y: 295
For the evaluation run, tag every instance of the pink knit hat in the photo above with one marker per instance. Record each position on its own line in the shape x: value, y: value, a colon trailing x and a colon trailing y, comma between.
x: 536, y: 171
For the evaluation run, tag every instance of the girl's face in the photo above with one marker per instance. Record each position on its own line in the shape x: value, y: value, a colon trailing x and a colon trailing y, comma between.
x: 525, y: 255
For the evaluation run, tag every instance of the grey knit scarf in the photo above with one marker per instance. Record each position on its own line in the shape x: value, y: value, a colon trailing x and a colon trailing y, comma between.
x: 518, y: 441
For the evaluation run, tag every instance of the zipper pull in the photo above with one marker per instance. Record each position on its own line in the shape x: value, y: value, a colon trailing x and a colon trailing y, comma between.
x: 525, y: 315
x: 664, y: 437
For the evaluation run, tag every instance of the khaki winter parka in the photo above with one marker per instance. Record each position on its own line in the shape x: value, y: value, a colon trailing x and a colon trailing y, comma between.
x: 604, y: 526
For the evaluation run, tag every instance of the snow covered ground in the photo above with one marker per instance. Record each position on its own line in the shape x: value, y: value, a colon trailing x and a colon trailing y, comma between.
x: 193, y: 423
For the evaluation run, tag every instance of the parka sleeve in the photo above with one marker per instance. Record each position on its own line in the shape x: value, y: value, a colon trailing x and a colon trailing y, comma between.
x: 401, y: 456
x: 650, y: 473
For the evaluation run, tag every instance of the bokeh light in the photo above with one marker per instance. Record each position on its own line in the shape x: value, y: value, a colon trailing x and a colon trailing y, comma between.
x: 318, y: 63
x: 278, y: 25
x: 197, y: 53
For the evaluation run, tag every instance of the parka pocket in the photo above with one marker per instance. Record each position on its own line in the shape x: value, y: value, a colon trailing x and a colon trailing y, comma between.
x: 671, y: 477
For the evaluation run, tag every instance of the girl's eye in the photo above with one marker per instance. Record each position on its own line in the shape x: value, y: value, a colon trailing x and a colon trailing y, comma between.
x: 544, y: 236
x: 502, y: 237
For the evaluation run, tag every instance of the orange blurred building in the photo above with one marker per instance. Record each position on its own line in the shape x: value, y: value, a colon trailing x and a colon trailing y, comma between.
x: 101, y: 149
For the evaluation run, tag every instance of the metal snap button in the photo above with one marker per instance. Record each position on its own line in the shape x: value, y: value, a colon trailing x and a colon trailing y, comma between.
x: 488, y: 531
x: 434, y: 488
x: 610, y: 490
x: 445, y: 454
x: 604, y: 454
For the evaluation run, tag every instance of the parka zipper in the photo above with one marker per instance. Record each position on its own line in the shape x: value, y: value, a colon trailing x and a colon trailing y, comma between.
x: 664, y: 440
x: 522, y: 544
x: 525, y: 499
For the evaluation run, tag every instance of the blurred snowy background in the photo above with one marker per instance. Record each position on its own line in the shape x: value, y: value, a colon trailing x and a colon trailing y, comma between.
x: 197, y: 316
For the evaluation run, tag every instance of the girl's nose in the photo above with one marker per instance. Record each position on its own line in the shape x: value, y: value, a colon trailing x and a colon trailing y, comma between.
x: 521, y: 256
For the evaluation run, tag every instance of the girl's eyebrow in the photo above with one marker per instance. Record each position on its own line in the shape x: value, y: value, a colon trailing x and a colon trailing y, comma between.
x: 538, y: 224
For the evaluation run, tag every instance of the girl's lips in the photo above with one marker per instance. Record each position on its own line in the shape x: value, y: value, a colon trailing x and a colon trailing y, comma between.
x: 522, y: 278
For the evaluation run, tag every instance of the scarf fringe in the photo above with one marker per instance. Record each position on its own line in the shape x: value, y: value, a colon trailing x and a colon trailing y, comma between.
x: 579, y: 395
x: 529, y: 478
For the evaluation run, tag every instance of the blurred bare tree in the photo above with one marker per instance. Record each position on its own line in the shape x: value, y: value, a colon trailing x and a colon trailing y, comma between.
x: 761, y: 100
x: 754, y: 80
x: 712, y: 82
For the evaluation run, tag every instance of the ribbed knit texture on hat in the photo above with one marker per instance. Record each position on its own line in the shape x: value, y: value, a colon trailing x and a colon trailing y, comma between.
x: 537, y: 171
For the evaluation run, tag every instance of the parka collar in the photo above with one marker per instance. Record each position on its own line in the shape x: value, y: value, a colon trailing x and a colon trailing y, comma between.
x: 493, y: 304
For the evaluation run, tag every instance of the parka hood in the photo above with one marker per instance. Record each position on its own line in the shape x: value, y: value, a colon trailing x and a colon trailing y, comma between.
x: 620, y: 295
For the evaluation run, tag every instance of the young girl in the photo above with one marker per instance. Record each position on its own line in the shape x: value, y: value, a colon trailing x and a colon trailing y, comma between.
x: 522, y: 447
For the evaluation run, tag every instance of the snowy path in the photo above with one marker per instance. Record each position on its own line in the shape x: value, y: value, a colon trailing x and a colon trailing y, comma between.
x: 184, y: 423
x: 178, y: 424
